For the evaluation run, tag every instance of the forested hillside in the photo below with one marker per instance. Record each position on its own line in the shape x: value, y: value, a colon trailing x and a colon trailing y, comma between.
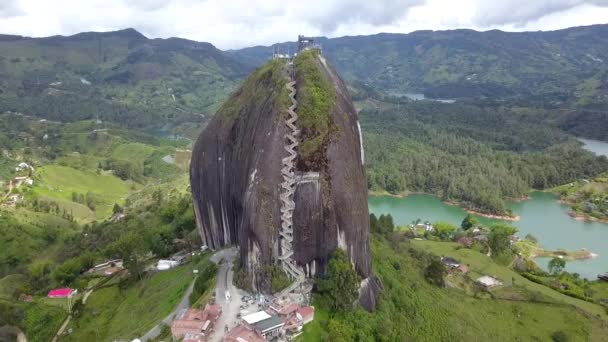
x: 469, y: 154
x: 119, y: 76
x: 465, y: 63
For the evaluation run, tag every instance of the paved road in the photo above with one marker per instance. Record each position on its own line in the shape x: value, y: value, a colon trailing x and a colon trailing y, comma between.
x: 184, y: 304
x: 230, y: 307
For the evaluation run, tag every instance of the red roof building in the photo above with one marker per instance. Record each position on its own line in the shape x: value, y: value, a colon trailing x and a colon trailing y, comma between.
x: 196, y: 324
x: 243, y: 333
x: 286, y: 310
x: 61, y: 293
x: 306, y: 314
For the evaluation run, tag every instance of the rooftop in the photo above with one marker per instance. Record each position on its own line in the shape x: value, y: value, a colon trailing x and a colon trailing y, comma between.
x: 65, y: 292
x: 242, y: 333
x: 269, y: 324
x: 256, y: 317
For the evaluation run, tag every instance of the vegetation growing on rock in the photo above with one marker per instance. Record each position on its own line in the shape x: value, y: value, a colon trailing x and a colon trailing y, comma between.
x: 316, y: 99
x: 266, y: 83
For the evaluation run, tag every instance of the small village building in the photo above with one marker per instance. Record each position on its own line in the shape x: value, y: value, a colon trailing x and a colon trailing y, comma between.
x: 26, y: 298
x: 243, y: 333
x: 306, y: 314
x: 270, y: 327
x: 465, y: 241
x: 195, y: 324
x: 463, y: 268
x: 164, y: 265
x: 286, y: 309
x: 450, y: 262
x: 62, y: 293
x: 111, y: 270
x: 481, y: 238
x: 488, y: 282
x: 256, y: 317
x: 193, y: 338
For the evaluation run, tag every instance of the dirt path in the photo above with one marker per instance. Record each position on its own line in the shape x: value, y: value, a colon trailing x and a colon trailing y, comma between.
x: 63, y: 326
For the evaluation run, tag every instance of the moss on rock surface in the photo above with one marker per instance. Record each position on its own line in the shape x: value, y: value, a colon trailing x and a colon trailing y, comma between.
x: 316, y: 100
x: 266, y: 80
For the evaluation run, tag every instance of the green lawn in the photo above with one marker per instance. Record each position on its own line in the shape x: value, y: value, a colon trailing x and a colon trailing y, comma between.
x: 112, y: 314
x: 482, y: 265
x: 134, y: 152
x: 59, y: 182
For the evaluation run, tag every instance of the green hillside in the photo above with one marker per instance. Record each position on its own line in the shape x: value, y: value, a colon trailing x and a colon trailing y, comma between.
x: 412, y: 309
x: 60, y: 183
x: 117, y: 76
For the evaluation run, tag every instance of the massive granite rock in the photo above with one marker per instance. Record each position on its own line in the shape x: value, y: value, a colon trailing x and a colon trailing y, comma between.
x: 236, y: 173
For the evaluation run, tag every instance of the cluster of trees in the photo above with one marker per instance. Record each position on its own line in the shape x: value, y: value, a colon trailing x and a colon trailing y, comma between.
x: 463, y: 153
x: 145, y: 231
x: 338, y: 287
x: 51, y: 207
x: 382, y: 225
x: 204, y: 280
x: 89, y: 199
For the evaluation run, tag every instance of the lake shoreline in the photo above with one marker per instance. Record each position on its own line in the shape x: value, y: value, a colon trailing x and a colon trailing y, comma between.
x: 586, y: 218
x: 543, y: 217
x: 452, y: 203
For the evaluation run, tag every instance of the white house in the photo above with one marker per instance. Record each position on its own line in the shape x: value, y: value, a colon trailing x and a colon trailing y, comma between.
x: 488, y: 282
x: 164, y: 265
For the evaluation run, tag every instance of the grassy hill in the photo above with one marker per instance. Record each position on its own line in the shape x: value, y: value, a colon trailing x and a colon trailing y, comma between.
x: 112, y: 313
x: 59, y: 183
x: 412, y: 309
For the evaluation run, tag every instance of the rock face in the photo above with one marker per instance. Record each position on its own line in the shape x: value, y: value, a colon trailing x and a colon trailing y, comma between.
x: 236, y: 174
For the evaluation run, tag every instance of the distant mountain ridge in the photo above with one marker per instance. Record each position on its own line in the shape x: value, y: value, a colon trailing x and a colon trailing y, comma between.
x: 124, y: 77
x: 120, y: 76
x: 464, y: 63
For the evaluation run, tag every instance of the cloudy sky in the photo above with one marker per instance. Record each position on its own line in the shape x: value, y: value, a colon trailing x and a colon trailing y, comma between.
x: 239, y: 23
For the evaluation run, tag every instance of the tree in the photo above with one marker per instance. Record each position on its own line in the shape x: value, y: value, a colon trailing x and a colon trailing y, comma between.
x: 557, y: 265
x: 117, y: 209
x: 373, y: 224
x: 435, y: 272
x: 499, y: 238
x: 340, y: 284
x: 469, y: 222
x: 339, y: 331
x: 444, y: 230
x: 531, y: 238
x: 129, y: 247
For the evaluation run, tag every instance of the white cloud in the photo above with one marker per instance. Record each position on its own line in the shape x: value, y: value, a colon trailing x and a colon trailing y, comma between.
x: 10, y: 8
x: 239, y: 23
x: 521, y: 12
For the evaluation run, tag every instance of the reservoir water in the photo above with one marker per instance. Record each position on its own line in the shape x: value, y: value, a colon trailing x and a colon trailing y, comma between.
x: 598, y: 147
x: 541, y: 215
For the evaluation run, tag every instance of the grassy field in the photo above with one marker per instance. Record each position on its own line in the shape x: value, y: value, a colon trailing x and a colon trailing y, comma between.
x: 480, y: 264
x: 38, y: 321
x: 135, y: 152
x: 112, y: 313
x: 59, y: 182
x: 411, y: 309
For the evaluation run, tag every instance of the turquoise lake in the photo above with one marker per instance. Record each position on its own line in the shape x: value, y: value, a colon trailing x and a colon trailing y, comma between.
x: 541, y: 215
